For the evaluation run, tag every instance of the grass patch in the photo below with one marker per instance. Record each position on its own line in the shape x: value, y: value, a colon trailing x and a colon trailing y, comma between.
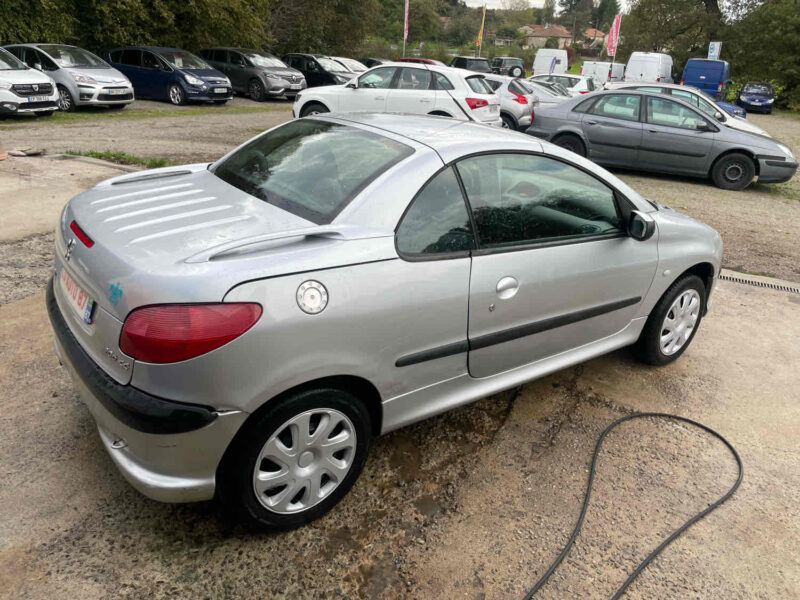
x: 123, y: 158
x: 137, y: 113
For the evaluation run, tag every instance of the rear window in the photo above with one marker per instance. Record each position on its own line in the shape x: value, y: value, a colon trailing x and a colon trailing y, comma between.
x: 479, y: 85
x: 478, y: 64
x: 309, y: 168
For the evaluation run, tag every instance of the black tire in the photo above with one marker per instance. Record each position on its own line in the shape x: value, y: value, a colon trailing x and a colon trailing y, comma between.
x: 508, y: 122
x: 647, y: 349
x: 256, y: 91
x: 313, y: 108
x: 66, y: 102
x: 733, y: 171
x: 176, y: 95
x: 44, y: 113
x: 235, y: 489
x: 516, y: 72
x: 571, y: 142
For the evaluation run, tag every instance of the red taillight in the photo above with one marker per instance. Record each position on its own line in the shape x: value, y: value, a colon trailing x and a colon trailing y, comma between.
x: 719, y: 87
x: 682, y: 80
x: 581, y: 71
x: 609, y: 73
x: 583, y: 91
x: 658, y: 79
x: 81, y: 234
x: 474, y: 103
x: 172, y: 332
x: 520, y: 98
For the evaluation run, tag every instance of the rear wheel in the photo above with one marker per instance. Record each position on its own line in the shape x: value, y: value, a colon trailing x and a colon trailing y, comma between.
x: 296, y: 460
x: 516, y: 72
x: 313, y: 108
x: 572, y: 143
x: 65, y: 101
x: 733, y: 171
x: 673, y: 322
x: 177, y: 95
x: 508, y: 122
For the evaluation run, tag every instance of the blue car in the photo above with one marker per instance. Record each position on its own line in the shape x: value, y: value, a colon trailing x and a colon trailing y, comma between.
x: 711, y: 76
x: 756, y: 96
x: 171, y: 74
x: 732, y: 109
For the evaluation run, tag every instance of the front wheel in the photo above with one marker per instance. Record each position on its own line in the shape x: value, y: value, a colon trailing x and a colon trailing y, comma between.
x: 572, y: 143
x: 255, y: 89
x: 733, y: 172
x: 296, y: 460
x: 176, y: 95
x: 65, y: 101
x: 314, y: 108
x: 673, y: 322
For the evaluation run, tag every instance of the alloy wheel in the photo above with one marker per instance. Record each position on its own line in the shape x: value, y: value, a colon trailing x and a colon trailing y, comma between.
x: 679, y: 322
x: 255, y: 90
x: 64, y: 99
x: 175, y: 95
x: 304, y: 460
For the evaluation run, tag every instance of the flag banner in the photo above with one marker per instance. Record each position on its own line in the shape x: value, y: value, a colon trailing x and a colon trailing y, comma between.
x: 405, y: 24
x: 480, y: 33
x: 613, y: 37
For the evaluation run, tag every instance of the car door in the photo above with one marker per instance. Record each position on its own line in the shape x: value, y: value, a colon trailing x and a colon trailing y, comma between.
x: 671, y: 140
x: 412, y: 92
x: 554, y: 268
x: 154, y: 75
x: 130, y: 63
x: 372, y: 91
x: 612, y: 127
x: 237, y: 70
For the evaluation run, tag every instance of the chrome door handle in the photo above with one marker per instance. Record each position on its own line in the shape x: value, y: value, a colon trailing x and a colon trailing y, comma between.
x: 379, y: 98
x: 507, y: 288
x: 591, y: 122
x: 652, y: 130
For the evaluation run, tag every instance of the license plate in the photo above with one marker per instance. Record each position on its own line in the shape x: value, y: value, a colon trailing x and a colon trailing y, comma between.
x: 493, y: 108
x: 294, y: 86
x: 220, y: 90
x: 757, y: 102
x: 116, y: 92
x: 38, y: 98
x: 78, y: 300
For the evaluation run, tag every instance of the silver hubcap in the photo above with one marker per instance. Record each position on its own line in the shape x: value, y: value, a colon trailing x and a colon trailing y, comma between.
x: 680, y: 321
x: 734, y: 171
x: 175, y: 94
x: 304, y: 461
x: 64, y: 100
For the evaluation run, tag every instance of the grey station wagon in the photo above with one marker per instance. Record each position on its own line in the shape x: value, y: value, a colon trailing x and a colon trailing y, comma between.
x: 245, y: 328
x: 663, y: 134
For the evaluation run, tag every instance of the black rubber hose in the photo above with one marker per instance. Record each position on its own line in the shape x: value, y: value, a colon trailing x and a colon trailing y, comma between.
x: 667, y: 541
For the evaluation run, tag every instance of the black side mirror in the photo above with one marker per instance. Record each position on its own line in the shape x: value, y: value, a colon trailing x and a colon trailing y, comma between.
x: 703, y: 126
x: 641, y: 226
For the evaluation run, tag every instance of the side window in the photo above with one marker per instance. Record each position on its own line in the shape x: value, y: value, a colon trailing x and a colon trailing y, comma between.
x: 685, y: 96
x: 131, y: 57
x: 437, y: 221
x: 221, y: 56
x: 443, y: 83
x: 115, y: 56
x: 47, y: 63
x: 149, y: 60
x: 584, y: 106
x: 650, y: 88
x: 18, y: 52
x: 671, y: 114
x: 494, y: 84
x: 617, y: 106
x: 520, y: 199
x: 414, y: 79
x: 236, y: 59
x: 379, y: 78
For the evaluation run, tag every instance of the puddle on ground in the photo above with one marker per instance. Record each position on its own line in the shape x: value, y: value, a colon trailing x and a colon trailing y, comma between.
x: 428, y: 506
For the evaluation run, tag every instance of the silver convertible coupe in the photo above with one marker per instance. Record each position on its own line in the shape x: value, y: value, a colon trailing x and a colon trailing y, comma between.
x: 245, y: 328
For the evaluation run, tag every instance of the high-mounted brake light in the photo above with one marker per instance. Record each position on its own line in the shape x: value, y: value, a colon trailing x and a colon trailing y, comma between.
x: 81, y: 234
x: 474, y: 103
x: 520, y: 98
x: 583, y: 91
x: 171, y: 332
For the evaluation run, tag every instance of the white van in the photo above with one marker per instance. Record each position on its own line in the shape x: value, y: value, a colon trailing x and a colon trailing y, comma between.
x: 544, y: 60
x: 603, y: 72
x: 652, y: 67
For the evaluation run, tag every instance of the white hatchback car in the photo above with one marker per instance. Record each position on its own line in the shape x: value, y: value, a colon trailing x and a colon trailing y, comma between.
x: 407, y: 88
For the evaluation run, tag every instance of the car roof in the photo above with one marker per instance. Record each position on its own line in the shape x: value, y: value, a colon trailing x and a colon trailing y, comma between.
x: 150, y: 48
x: 473, y: 57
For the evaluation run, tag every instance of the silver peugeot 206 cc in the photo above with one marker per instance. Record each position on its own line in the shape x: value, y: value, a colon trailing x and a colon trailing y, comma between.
x: 244, y: 329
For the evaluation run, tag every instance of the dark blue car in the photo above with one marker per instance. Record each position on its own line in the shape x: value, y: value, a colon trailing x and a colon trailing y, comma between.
x: 711, y: 76
x: 171, y: 74
x: 756, y: 96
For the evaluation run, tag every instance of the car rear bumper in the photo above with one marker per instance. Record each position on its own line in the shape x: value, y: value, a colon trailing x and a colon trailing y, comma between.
x: 167, y: 450
x: 773, y: 170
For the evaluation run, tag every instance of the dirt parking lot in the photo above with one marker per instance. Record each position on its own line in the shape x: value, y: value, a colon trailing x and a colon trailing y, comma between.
x: 473, y: 504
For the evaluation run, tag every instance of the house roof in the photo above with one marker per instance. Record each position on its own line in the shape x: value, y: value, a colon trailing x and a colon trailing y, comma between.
x: 556, y: 31
x: 591, y: 32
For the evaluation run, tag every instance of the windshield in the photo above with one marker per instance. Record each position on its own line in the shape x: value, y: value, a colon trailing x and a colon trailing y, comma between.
x: 9, y: 62
x: 264, y: 59
x: 180, y: 59
x: 309, y: 168
x: 330, y: 64
x: 70, y: 56
x: 351, y: 64
x: 757, y: 88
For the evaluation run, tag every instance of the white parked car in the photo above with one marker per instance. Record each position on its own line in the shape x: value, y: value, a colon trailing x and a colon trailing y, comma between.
x: 603, y: 72
x: 24, y: 90
x: 517, y: 101
x: 574, y: 84
x: 652, y: 67
x: 407, y: 88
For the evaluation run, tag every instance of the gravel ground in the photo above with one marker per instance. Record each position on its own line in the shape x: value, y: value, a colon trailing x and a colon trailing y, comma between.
x: 473, y: 504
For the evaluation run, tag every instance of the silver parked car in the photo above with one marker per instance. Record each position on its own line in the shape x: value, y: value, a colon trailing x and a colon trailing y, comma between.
x: 245, y: 328
x: 517, y: 101
x: 653, y: 132
x: 82, y: 78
